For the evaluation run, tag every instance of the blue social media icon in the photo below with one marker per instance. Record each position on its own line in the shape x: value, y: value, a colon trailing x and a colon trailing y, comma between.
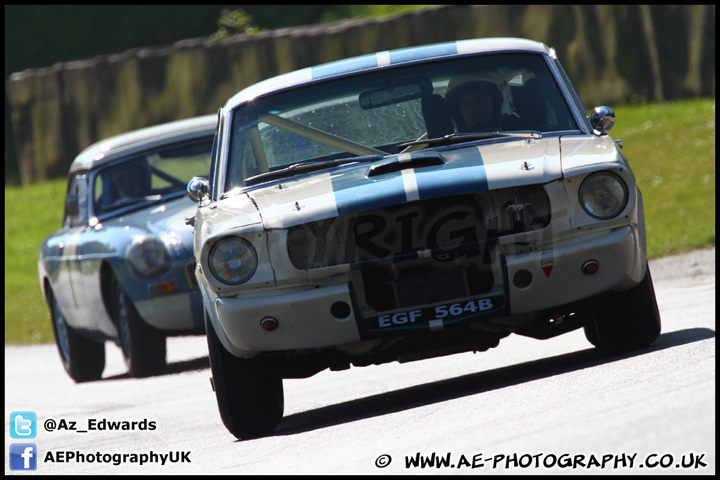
x: 23, y: 456
x: 23, y: 425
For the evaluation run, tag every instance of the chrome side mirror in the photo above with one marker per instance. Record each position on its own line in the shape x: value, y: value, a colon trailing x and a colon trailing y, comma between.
x: 602, y: 120
x: 198, y: 189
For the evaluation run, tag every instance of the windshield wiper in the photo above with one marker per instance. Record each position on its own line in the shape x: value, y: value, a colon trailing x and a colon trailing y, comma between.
x: 469, y: 137
x: 305, y: 167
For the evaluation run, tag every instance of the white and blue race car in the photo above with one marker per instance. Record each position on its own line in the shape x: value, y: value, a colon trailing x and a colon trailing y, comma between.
x: 410, y: 204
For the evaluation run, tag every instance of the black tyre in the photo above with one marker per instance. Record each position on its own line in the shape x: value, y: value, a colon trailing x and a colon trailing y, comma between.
x: 249, y: 391
x: 627, y: 320
x: 143, y: 346
x: 83, y: 358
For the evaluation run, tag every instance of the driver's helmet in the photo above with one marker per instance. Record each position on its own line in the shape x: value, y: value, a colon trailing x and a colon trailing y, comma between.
x: 469, y: 81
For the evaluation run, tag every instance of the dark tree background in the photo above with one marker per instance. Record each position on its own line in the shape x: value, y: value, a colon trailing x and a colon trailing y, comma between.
x: 39, y: 36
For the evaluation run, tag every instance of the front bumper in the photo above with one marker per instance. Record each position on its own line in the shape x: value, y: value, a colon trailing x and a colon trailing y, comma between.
x: 325, y: 316
x: 181, y: 312
x: 557, y: 276
x: 304, y: 317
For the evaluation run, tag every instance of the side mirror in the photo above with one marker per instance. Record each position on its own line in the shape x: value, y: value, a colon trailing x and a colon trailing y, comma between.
x: 602, y: 120
x: 198, y: 189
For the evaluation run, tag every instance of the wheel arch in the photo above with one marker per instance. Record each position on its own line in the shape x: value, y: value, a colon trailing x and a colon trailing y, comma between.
x: 47, y: 292
x: 107, y: 277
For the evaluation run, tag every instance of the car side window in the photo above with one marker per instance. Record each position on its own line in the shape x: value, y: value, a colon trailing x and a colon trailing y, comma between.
x: 76, y: 202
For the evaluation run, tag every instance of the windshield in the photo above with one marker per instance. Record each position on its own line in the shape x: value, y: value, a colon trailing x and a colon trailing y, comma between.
x: 374, y: 113
x: 151, y: 176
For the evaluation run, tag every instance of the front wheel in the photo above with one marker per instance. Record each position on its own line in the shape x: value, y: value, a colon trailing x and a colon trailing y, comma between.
x: 249, y: 391
x: 82, y: 358
x: 142, y: 345
x: 626, y: 320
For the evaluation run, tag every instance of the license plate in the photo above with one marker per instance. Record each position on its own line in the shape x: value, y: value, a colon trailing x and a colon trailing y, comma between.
x: 437, y: 317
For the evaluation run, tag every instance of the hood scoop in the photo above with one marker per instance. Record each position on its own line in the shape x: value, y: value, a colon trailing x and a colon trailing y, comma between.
x: 406, y: 160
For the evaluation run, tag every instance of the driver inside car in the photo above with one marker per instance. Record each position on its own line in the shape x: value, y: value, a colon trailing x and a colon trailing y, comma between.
x: 475, y: 103
x: 127, y: 182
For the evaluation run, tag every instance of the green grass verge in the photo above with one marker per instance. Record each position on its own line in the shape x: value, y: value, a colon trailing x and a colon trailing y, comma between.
x: 671, y: 149
x: 31, y: 213
x: 670, y: 146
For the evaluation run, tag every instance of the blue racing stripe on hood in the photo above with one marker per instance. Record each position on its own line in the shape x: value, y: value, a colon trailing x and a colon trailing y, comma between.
x: 355, y: 191
x: 464, y: 172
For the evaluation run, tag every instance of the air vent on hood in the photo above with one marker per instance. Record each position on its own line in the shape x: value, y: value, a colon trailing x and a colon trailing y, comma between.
x: 403, y: 161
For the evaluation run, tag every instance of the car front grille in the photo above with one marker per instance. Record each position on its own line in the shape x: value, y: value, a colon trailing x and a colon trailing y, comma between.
x: 442, y: 228
x: 436, y: 287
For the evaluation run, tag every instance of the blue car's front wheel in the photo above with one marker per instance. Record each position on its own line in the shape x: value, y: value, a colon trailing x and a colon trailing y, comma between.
x: 142, y: 345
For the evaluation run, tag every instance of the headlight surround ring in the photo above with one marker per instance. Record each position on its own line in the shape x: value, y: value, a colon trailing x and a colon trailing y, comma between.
x: 148, y: 256
x: 603, y: 195
x: 232, y: 260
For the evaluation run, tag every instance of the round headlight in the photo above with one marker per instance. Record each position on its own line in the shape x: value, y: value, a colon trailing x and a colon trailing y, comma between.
x: 603, y: 195
x: 148, y: 256
x: 232, y: 260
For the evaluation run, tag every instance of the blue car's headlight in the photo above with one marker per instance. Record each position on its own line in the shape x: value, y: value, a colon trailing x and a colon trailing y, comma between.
x: 148, y: 256
x: 232, y: 260
x: 603, y: 195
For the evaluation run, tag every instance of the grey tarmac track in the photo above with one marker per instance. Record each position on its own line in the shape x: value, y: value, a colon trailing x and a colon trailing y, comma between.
x: 526, y: 407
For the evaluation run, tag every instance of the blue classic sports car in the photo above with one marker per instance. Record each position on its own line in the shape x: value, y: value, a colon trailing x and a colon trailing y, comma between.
x: 122, y: 266
x: 410, y: 204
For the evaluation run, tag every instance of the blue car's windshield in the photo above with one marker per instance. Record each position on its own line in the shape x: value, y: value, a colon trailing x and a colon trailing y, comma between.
x: 149, y: 177
x: 371, y: 114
